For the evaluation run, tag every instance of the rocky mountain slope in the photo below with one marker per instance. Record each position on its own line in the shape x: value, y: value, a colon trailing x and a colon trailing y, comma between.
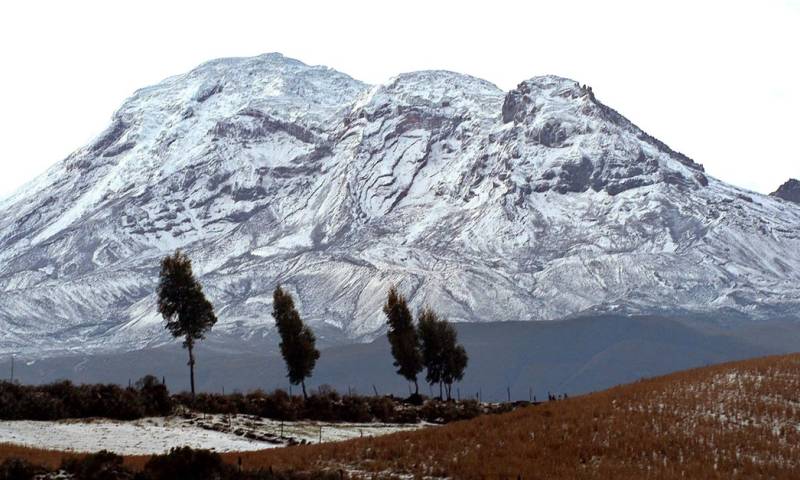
x: 788, y: 191
x: 531, y: 204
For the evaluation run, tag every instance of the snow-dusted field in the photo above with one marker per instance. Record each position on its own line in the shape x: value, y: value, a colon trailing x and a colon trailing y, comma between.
x: 221, y: 433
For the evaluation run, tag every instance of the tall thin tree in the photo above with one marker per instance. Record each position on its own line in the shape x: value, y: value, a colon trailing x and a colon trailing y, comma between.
x: 430, y: 340
x: 183, y: 304
x: 456, y: 360
x: 403, y: 338
x: 297, y: 340
x: 444, y: 359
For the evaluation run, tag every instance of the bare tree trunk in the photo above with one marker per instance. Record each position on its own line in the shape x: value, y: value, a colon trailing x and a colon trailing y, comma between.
x: 416, y: 387
x: 303, y: 384
x: 191, y: 368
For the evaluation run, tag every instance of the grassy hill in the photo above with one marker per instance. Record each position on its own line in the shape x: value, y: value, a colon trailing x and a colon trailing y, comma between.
x: 736, y: 420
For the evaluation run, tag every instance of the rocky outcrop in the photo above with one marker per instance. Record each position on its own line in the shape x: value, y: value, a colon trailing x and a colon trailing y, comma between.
x: 789, y: 191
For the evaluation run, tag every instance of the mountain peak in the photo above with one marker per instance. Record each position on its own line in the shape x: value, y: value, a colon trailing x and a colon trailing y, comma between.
x: 271, y: 79
x: 557, y: 84
x: 788, y: 191
x: 527, y: 205
x: 426, y: 79
x: 527, y: 98
x: 265, y: 59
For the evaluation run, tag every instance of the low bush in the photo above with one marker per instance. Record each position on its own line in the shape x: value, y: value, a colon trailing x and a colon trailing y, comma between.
x: 324, y: 405
x: 102, y: 465
x: 149, y: 397
x: 280, y: 405
x: 154, y: 395
x: 382, y: 408
x: 277, y: 405
x: 179, y: 464
x: 446, y: 412
x: 18, y: 469
x: 187, y: 464
x: 66, y: 400
x: 356, y: 409
x: 328, y: 406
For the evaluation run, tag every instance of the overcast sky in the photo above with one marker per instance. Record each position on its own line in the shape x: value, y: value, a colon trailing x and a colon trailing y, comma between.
x: 716, y: 80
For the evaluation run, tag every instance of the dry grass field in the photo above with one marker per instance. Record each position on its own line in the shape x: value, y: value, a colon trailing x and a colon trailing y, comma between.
x: 737, y: 420
x: 54, y: 459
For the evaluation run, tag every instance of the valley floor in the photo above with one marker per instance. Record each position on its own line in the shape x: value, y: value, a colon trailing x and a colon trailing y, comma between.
x: 221, y: 433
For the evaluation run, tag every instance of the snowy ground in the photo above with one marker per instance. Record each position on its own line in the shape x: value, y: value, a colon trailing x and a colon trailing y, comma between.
x: 221, y: 433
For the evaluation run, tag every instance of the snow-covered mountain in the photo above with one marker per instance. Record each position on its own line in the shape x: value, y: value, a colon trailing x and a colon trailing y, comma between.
x: 532, y: 204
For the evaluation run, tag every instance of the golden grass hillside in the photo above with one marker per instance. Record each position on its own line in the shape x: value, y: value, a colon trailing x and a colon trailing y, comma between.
x: 737, y: 420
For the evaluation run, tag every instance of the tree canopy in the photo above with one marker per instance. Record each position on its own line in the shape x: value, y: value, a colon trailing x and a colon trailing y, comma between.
x: 183, y: 305
x: 444, y: 359
x: 297, y: 340
x: 403, y: 338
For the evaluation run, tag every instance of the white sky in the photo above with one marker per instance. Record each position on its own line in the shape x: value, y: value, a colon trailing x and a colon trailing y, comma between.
x: 717, y: 80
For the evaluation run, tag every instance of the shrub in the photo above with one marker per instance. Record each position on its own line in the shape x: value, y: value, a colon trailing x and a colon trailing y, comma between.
x: 35, y: 405
x: 437, y: 411
x: 151, y: 398
x: 355, y: 409
x: 281, y: 406
x: 64, y: 400
x: 406, y: 415
x: 18, y: 469
x: 187, y: 464
x: 112, y: 401
x: 382, y: 408
x: 154, y: 395
x: 103, y: 465
x: 322, y: 405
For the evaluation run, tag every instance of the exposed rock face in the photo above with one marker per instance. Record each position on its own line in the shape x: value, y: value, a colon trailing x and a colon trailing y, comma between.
x: 788, y: 191
x: 527, y: 205
x: 591, y: 146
